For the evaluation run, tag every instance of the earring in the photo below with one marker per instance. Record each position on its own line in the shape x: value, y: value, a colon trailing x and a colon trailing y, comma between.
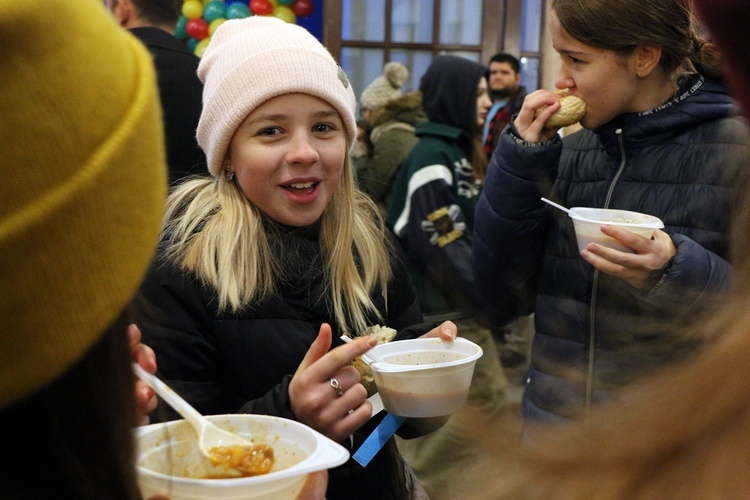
x: 229, y: 173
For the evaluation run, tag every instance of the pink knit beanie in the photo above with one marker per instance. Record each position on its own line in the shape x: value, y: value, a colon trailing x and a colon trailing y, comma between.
x: 254, y: 59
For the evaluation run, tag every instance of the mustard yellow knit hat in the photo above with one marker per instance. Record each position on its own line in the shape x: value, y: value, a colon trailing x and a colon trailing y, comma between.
x: 83, y: 183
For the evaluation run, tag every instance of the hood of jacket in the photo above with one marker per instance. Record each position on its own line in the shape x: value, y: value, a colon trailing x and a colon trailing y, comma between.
x: 708, y: 100
x: 407, y: 109
x: 449, y: 92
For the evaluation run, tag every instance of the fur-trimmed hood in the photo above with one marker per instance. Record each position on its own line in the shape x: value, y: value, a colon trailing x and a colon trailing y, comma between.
x: 407, y: 108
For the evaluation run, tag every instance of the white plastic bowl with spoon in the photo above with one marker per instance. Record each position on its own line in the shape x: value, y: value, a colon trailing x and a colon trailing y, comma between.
x: 209, y: 435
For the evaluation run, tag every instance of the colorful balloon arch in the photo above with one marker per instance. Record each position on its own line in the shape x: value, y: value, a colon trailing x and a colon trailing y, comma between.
x: 200, y: 18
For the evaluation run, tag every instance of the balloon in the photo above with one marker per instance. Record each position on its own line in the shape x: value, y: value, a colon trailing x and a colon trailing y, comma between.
x: 214, y: 9
x: 214, y: 25
x: 179, y: 28
x: 302, y: 8
x: 285, y: 14
x: 261, y: 7
x: 286, y: 3
x: 191, y: 44
x: 197, y: 28
x: 237, y: 11
x: 192, y: 9
x: 200, y: 48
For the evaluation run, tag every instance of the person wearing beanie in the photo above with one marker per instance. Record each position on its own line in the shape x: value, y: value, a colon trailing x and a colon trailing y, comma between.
x: 384, y: 88
x: 392, y: 117
x: 431, y: 212
x: 81, y: 204
x: 266, y: 264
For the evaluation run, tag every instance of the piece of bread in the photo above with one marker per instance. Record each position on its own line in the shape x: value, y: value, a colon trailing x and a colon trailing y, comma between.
x: 383, y: 334
x: 571, y: 111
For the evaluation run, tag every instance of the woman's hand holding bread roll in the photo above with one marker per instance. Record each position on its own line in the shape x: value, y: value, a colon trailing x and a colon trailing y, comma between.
x: 544, y: 112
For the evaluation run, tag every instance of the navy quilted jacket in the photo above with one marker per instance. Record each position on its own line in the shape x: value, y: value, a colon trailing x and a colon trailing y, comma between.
x: 594, y: 332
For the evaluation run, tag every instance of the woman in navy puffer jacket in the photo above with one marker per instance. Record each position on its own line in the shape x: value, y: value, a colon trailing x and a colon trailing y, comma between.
x: 660, y: 138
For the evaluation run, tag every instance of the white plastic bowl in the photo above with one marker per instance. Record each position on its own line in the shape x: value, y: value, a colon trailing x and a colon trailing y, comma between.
x: 425, y: 377
x: 169, y: 462
x: 588, y: 222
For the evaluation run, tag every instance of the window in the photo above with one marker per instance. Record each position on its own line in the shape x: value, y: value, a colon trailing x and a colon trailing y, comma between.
x: 365, y: 34
x: 532, y: 16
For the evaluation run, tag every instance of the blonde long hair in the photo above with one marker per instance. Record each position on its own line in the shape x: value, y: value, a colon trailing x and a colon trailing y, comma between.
x: 212, y: 230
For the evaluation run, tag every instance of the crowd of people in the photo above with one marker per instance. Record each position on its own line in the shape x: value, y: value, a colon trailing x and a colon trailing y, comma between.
x: 236, y: 285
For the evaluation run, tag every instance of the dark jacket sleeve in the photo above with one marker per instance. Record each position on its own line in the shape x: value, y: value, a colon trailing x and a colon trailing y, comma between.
x: 690, y: 283
x: 172, y: 312
x: 511, y: 221
x: 402, y: 307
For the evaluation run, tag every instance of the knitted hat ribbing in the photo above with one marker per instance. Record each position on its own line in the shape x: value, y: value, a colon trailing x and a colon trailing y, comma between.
x: 254, y: 59
x: 84, y: 183
x: 386, y: 87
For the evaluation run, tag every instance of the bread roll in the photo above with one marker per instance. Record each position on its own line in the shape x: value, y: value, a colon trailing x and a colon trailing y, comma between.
x: 571, y: 111
x: 383, y: 334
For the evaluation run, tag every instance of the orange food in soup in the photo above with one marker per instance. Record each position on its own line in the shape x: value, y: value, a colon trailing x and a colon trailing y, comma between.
x: 247, y: 460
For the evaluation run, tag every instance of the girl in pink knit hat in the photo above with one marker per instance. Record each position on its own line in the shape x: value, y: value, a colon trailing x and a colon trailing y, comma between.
x: 266, y: 264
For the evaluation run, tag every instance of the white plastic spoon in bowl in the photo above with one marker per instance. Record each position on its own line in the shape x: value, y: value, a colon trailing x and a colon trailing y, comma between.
x: 209, y: 436
x: 556, y: 205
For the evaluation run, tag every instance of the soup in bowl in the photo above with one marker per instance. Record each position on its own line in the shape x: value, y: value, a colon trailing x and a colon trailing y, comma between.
x: 588, y: 222
x: 425, y: 377
x: 170, y: 463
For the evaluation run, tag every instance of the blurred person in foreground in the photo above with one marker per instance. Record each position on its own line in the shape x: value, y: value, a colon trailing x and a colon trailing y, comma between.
x: 685, y: 433
x: 81, y: 201
x: 80, y: 212
x: 660, y: 136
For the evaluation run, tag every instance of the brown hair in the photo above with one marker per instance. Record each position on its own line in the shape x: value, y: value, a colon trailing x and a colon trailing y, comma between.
x: 73, y: 438
x: 623, y: 25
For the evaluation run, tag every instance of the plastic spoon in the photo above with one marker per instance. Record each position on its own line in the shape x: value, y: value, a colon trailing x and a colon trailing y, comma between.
x: 376, y: 359
x: 556, y: 205
x: 209, y: 436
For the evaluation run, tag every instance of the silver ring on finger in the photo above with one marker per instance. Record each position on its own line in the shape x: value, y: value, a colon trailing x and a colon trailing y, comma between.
x: 335, y: 384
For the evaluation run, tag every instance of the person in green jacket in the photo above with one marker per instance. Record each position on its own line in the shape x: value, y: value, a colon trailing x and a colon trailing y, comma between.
x: 431, y: 211
x: 391, y: 117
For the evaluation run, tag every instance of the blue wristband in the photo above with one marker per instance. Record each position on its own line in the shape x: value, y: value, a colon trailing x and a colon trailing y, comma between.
x: 377, y: 439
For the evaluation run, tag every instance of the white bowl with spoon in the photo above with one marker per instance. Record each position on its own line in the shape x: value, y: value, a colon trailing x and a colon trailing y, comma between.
x: 588, y: 222
x: 172, y: 461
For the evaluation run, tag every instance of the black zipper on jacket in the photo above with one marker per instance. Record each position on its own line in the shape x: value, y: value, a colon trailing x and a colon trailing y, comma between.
x: 595, y: 285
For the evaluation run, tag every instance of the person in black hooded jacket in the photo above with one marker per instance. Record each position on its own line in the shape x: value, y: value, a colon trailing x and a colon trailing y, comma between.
x: 266, y: 264
x: 431, y: 210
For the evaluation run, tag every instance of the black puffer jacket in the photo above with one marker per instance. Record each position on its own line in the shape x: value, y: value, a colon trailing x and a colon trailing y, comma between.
x: 681, y: 163
x: 222, y: 362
